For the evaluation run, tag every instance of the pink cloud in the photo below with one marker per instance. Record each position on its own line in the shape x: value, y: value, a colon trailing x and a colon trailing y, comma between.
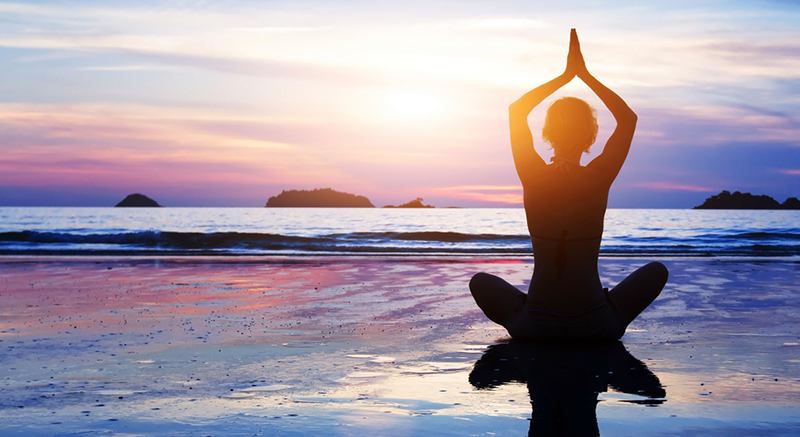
x: 791, y: 172
x: 91, y: 145
x: 668, y: 186
x: 508, y: 194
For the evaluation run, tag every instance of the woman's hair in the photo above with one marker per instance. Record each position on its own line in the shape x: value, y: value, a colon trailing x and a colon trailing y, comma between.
x: 570, y: 123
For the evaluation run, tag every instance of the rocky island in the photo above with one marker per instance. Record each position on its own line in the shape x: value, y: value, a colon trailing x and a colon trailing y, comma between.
x: 318, y: 198
x: 416, y: 203
x: 737, y: 200
x: 137, y: 200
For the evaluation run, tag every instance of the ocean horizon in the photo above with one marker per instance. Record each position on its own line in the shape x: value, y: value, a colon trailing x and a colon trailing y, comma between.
x: 228, y: 231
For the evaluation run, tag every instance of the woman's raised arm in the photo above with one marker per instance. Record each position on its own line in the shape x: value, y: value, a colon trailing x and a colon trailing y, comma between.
x: 616, y: 149
x: 526, y: 160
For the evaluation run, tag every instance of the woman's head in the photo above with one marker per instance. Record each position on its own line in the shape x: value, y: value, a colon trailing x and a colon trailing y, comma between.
x: 571, y: 124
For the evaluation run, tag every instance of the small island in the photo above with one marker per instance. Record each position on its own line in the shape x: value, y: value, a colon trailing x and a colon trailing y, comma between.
x: 318, y: 198
x: 416, y: 203
x: 737, y: 200
x: 137, y: 200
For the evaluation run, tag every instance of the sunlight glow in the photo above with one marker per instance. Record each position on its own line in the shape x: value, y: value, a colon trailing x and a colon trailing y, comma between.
x: 413, y: 105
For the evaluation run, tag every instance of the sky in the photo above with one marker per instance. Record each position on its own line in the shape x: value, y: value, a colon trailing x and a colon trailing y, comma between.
x: 223, y: 103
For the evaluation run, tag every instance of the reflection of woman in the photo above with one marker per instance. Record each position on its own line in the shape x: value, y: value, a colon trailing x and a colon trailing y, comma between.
x: 564, y: 381
x: 565, y: 204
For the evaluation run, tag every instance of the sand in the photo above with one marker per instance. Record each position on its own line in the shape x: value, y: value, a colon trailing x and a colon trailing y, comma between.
x: 382, y: 346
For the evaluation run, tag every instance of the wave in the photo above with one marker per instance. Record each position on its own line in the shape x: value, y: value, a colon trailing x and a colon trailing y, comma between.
x: 759, y: 244
x: 782, y: 234
x: 438, y: 236
x: 253, y: 243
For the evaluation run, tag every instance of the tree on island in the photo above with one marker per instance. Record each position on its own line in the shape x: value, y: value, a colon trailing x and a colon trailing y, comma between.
x: 791, y: 203
x: 737, y: 200
x: 318, y: 198
x: 137, y: 200
x: 416, y: 203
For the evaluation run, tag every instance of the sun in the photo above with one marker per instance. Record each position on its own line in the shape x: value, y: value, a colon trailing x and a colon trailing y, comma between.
x: 413, y: 105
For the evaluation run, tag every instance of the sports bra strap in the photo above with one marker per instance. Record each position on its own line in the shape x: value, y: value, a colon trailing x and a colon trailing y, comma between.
x: 561, y: 249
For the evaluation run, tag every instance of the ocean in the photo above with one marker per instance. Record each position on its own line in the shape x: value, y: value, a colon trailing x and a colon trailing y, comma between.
x: 357, y: 231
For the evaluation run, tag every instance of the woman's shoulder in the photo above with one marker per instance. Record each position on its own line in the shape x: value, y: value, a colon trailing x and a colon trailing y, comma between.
x: 565, y: 174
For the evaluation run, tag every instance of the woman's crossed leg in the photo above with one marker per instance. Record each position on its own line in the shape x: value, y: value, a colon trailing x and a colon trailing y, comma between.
x: 504, y: 304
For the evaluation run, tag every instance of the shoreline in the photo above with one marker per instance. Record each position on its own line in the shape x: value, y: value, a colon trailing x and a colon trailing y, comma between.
x: 234, y: 258
x: 345, y: 346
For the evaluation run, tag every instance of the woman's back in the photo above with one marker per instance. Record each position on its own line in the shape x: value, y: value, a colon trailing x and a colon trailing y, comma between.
x: 565, y: 206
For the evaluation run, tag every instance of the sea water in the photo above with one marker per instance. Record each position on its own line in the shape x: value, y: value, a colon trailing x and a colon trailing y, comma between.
x: 363, y: 231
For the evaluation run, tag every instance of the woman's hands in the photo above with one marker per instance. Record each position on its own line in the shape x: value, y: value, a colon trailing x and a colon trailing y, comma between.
x: 526, y: 159
x: 575, y: 63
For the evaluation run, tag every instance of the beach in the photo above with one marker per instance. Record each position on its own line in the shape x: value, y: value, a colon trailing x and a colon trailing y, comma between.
x: 380, y: 346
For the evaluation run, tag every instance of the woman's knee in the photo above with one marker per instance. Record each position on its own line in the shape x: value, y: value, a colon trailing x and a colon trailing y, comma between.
x: 636, y: 292
x: 658, y: 272
x: 480, y: 281
x: 660, y: 267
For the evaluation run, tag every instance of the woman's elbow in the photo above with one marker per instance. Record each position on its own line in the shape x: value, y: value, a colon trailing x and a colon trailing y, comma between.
x: 628, y: 119
x: 518, y: 113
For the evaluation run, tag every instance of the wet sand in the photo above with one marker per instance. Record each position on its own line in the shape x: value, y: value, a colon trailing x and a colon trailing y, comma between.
x: 382, y: 346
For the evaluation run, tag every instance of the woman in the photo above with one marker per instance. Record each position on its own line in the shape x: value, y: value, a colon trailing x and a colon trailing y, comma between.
x: 565, y: 204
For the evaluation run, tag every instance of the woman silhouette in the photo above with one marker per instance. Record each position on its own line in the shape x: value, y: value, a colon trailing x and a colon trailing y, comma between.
x: 565, y: 204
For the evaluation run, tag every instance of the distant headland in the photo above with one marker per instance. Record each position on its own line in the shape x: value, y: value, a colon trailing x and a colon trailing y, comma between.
x: 318, y: 198
x: 137, y: 200
x: 737, y: 200
x: 416, y: 203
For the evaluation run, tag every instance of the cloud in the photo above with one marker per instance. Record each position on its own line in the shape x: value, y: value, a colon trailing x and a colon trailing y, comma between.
x: 96, y: 144
x: 503, y: 194
x: 766, y: 57
x: 717, y: 124
x: 138, y: 67
x: 669, y: 186
x: 499, y: 23
x: 279, y: 29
